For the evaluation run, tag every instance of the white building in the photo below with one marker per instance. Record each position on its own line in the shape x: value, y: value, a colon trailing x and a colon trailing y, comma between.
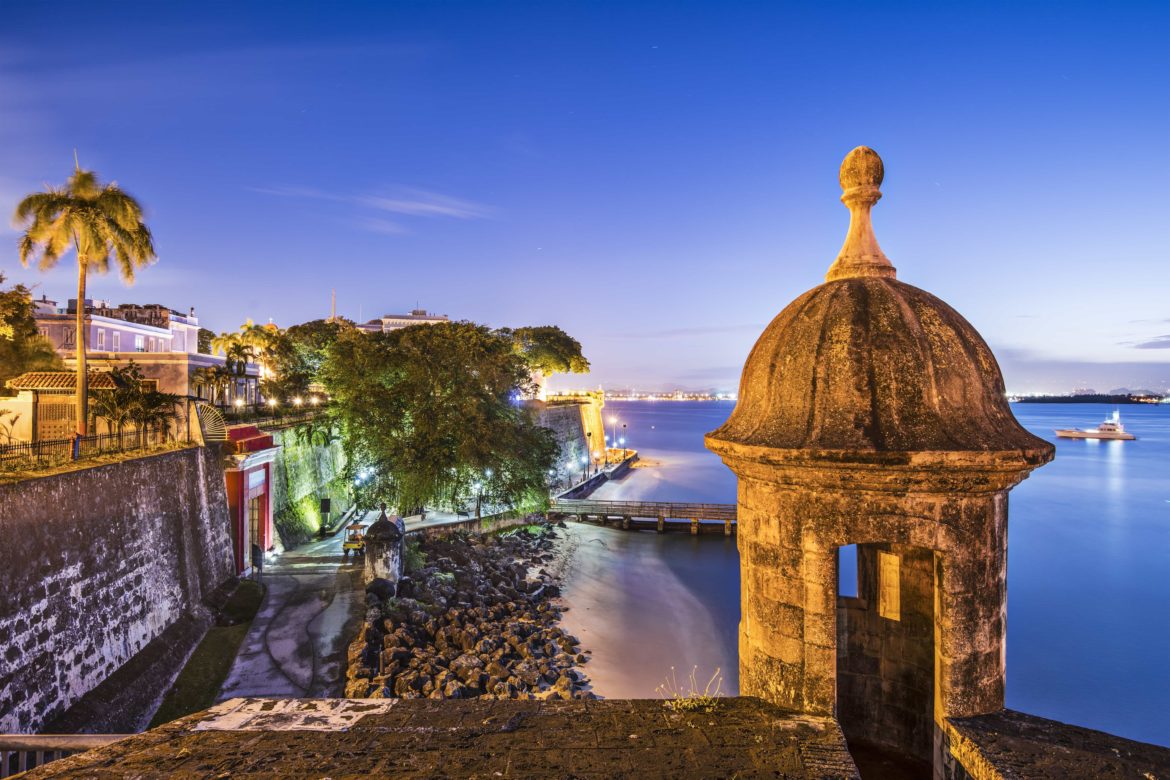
x: 162, y: 342
x: 389, y: 322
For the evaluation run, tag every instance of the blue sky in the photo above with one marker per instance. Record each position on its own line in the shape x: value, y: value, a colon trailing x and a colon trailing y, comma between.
x: 659, y: 179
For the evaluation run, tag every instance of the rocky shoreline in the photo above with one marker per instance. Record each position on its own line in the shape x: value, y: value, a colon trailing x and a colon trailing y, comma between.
x: 478, y: 616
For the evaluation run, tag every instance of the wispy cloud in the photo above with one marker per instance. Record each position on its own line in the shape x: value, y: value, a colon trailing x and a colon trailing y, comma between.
x: 404, y: 201
x: 1157, y: 342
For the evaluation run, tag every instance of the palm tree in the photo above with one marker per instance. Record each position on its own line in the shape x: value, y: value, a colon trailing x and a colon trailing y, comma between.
x: 153, y: 409
x: 95, y: 221
x: 217, y: 379
x: 117, y: 406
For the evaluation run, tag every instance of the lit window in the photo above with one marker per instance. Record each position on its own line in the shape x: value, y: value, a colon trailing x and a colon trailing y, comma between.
x: 889, y: 596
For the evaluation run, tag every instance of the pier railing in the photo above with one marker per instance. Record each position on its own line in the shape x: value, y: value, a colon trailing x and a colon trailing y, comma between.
x: 659, y: 515
x: 22, y: 752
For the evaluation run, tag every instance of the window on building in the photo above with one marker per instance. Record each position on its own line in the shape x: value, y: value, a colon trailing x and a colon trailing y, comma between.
x: 101, y: 339
x: 139, y: 344
x: 889, y: 592
x: 116, y: 341
x: 67, y: 337
x: 847, y: 570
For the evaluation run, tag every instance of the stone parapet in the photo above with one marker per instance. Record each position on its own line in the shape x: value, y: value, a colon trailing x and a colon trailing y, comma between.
x: 739, y: 737
x: 1009, y: 745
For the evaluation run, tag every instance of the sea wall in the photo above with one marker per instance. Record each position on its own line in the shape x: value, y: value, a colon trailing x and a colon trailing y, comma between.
x: 576, y: 424
x: 307, y: 469
x: 97, y: 563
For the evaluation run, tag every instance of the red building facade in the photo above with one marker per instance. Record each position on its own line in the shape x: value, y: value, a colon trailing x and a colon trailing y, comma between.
x: 249, y: 493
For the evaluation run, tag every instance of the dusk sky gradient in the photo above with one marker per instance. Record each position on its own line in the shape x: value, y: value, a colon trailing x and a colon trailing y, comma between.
x: 659, y: 179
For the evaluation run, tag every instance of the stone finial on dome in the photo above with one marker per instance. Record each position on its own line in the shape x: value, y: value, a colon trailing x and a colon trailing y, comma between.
x: 861, y: 175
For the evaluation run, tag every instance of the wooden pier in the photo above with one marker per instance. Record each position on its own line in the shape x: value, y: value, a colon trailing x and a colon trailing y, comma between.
x: 660, y: 516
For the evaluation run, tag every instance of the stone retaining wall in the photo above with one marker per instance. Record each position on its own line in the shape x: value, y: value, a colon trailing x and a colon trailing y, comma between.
x: 97, y: 563
x: 303, y: 473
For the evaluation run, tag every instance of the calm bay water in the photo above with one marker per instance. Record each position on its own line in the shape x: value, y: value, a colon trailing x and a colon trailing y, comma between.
x: 1088, y: 574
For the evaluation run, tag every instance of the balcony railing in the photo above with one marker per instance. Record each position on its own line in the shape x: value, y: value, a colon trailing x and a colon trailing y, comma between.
x: 22, y: 752
x: 276, y: 419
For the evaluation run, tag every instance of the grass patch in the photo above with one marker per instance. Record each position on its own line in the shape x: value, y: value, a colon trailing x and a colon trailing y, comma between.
x: 413, y: 556
x: 207, y: 668
x: 689, y: 697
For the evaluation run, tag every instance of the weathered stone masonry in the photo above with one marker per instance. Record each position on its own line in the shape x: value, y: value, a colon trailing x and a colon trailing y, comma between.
x: 871, y: 413
x: 95, y: 564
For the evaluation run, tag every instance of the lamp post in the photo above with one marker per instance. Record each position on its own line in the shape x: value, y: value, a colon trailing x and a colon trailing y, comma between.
x: 623, y: 441
x: 596, y: 457
x: 584, y: 468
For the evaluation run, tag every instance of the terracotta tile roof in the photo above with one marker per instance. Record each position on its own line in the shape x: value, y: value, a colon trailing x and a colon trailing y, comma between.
x: 59, y: 380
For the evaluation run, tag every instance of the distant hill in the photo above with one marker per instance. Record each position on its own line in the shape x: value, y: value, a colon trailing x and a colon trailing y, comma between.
x: 1091, y: 398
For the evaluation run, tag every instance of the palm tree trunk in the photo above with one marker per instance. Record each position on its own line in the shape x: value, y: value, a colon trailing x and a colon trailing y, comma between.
x: 82, y: 401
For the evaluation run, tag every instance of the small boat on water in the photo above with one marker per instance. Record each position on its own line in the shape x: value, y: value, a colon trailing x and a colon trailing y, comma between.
x: 1110, y: 429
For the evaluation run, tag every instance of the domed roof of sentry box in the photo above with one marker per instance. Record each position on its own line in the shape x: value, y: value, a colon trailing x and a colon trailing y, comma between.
x: 866, y: 363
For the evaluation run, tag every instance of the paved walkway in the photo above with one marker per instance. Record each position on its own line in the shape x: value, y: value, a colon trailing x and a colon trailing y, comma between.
x: 315, y: 602
x: 297, y: 643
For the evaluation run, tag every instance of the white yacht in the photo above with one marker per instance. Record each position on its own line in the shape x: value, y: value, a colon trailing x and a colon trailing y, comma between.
x: 1110, y: 429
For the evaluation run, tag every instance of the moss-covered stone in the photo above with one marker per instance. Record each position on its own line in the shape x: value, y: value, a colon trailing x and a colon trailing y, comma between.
x: 303, y: 473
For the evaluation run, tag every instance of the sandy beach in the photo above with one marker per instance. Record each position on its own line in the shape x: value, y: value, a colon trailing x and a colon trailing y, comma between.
x: 637, y: 602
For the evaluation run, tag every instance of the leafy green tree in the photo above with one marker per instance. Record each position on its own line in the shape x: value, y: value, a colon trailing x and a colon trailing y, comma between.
x: 430, y: 414
x: 548, y: 349
x: 22, y: 348
x: 205, y: 337
x: 310, y: 343
x: 95, y: 221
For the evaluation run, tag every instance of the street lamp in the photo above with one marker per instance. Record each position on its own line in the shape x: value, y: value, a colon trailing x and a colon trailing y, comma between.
x: 478, y: 488
x: 596, y: 457
x: 584, y: 467
x: 297, y: 401
x: 623, y: 440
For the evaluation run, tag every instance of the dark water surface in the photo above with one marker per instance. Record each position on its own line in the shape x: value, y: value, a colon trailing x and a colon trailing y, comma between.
x: 1088, y: 569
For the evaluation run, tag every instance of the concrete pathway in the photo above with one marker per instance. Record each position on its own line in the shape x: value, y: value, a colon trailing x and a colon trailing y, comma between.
x: 296, y: 646
x: 314, y: 605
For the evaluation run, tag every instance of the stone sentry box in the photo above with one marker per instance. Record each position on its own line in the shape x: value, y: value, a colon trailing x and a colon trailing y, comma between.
x: 871, y: 413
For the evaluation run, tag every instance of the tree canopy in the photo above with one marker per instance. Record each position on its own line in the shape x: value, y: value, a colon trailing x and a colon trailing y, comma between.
x: 292, y: 358
x: 548, y: 349
x: 22, y: 347
x: 431, y: 414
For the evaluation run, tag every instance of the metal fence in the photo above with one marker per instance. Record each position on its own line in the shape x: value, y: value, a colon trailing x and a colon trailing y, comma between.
x: 38, y: 454
x: 22, y: 752
x: 272, y: 420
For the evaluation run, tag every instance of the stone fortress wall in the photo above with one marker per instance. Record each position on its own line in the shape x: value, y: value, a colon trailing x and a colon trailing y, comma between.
x: 97, y: 563
x: 306, y: 470
x: 577, y: 424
